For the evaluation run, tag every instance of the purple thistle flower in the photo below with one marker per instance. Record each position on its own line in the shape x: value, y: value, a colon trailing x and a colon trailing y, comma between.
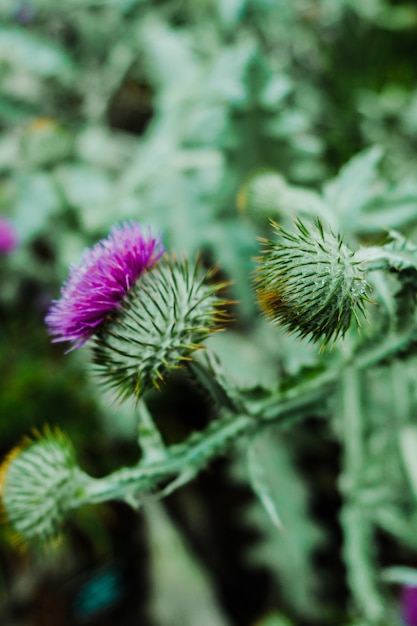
x: 409, y: 605
x: 8, y: 237
x: 98, y: 284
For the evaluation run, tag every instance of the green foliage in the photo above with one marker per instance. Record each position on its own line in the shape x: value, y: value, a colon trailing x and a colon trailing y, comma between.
x: 289, y: 546
x: 205, y: 119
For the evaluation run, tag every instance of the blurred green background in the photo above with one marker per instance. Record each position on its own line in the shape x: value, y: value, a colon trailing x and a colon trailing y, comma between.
x: 202, y: 119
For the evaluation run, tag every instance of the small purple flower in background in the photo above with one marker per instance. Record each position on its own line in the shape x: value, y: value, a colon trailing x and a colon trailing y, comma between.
x: 409, y: 605
x: 98, y: 284
x: 8, y: 237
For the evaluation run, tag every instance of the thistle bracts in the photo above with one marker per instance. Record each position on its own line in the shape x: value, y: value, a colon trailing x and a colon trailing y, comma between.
x: 163, y: 319
x: 40, y: 482
x: 311, y: 282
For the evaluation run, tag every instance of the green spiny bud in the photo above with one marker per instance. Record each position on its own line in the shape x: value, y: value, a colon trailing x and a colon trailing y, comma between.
x: 164, y: 318
x: 39, y: 482
x: 311, y: 282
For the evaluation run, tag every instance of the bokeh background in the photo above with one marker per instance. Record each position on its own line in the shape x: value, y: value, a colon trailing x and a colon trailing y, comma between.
x: 202, y: 119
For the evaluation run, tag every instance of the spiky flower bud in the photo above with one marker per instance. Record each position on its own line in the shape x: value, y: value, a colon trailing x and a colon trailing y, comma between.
x: 39, y: 482
x: 163, y: 319
x: 311, y: 282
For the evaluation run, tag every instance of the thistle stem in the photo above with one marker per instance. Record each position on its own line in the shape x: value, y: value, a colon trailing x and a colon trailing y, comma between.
x: 284, y: 408
x: 149, y: 437
x: 146, y: 477
x: 357, y: 528
x: 203, y: 447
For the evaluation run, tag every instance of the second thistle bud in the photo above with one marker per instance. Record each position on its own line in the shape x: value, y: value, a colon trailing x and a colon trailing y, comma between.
x: 311, y: 282
x: 40, y: 482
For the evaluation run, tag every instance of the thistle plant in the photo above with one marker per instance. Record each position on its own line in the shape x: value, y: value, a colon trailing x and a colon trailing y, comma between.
x: 38, y: 467
x: 145, y: 313
x: 311, y: 283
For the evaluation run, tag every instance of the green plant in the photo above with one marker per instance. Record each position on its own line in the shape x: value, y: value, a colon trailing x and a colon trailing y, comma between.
x: 316, y: 282
x: 171, y: 114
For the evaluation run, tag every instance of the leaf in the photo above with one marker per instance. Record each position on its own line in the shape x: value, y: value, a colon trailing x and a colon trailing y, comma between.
x: 248, y: 361
x: 260, y: 481
x: 99, y: 146
x: 84, y: 185
x: 22, y: 50
x: 88, y: 189
x: 45, y: 142
x: 287, y: 554
x: 165, y: 50
x: 287, y: 124
x: 348, y: 193
x: 401, y: 575
x: 181, y: 591
x: 37, y: 201
x: 150, y: 440
x: 9, y: 150
x: 388, y: 213
x: 408, y: 448
x: 208, y: 371
x: 276, y: 89
x: 230, y: 12
x: 399, y: 254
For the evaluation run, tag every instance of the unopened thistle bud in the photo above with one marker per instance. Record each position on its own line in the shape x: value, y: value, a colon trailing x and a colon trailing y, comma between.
x: 311, y: 282
x: 39, y: 483
x: 145, y: 315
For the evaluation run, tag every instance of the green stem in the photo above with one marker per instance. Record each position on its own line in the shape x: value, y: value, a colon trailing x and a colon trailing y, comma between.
x: 144, y: 478
x: 385, y: 350
x: 204, y: 446
x: 149, y: 437
x: 284, y: 408
x: 357, y: 528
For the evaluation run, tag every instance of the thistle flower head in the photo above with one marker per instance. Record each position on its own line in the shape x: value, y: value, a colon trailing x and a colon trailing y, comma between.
x: 39, y: 481
x: 164, y: 318
x: 98, y: 284
x: 8, y: 237
x: 311, y: 283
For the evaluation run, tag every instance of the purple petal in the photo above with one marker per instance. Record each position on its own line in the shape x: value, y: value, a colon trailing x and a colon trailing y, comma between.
x: 98, y: 284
